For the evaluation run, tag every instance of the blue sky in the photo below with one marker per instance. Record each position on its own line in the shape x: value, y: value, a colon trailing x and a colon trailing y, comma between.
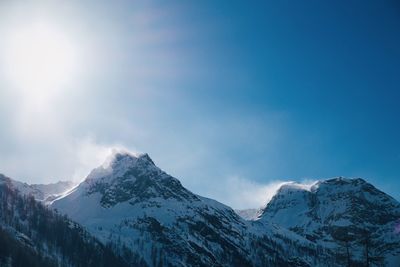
x: 229, y: 97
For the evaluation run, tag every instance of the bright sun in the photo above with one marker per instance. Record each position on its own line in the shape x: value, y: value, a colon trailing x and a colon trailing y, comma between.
x: 39, y: 57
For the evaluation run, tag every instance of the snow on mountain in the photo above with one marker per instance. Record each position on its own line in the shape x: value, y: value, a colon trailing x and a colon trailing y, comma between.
x: 248, y: 214
x: 350, y: 216
x: 133, y: 205
x: 41, y: 192
x: 33, y: 235
x: 23, y: 188
x: 130, y: 202
x: 54, y: 188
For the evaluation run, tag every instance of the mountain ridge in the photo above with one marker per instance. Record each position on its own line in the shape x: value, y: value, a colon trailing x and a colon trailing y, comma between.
x: 131, y: 203
x: 140, y: 202
x: 331, y: 211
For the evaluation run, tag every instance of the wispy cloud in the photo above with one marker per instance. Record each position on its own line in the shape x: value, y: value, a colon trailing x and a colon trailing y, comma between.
x: 90, y: 154
x: 241, y: 193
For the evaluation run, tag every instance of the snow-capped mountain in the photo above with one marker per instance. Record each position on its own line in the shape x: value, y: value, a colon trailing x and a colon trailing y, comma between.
x: 41, y: 192
x: 350, y: 216
x: 53, y: 189
x: 149, y: 219
x: 130, y: 202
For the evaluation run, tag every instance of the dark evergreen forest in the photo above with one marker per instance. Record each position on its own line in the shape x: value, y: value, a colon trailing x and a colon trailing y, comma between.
x: 33, y: 235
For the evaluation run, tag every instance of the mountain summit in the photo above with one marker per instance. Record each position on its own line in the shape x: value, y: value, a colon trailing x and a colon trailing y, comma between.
x: 349, y: 215
x: 129, y: 178
x: 130, y: 202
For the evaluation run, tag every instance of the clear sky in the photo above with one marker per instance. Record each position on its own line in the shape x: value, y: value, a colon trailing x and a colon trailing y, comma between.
x: 230, y: 97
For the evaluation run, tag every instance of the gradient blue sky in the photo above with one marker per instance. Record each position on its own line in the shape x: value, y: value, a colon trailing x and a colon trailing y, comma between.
x: 228, y: 96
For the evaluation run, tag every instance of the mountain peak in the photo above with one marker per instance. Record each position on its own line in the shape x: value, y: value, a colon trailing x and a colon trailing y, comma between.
x: 294, y: 186
x: 344, y: 181
x: 121, y: 161
x: 313, y: 186
x: 334, y: 206
x: 128, y: 177
x: 126, y: 158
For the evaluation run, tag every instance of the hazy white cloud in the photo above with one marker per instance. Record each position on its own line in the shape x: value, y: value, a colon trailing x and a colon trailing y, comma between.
x: 90, y: 155
x: 129, y: 97
x: 241, y: 193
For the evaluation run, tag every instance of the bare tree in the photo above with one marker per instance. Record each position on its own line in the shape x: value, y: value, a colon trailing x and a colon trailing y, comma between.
x: 370, y: 248
x: 343, y: 235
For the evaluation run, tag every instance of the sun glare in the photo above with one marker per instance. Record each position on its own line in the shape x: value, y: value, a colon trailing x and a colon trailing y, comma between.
x: 39, y: 57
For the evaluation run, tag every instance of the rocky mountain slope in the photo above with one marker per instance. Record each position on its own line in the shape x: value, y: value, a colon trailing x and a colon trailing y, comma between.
x: 132, y: 202
x: 350, y: 216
